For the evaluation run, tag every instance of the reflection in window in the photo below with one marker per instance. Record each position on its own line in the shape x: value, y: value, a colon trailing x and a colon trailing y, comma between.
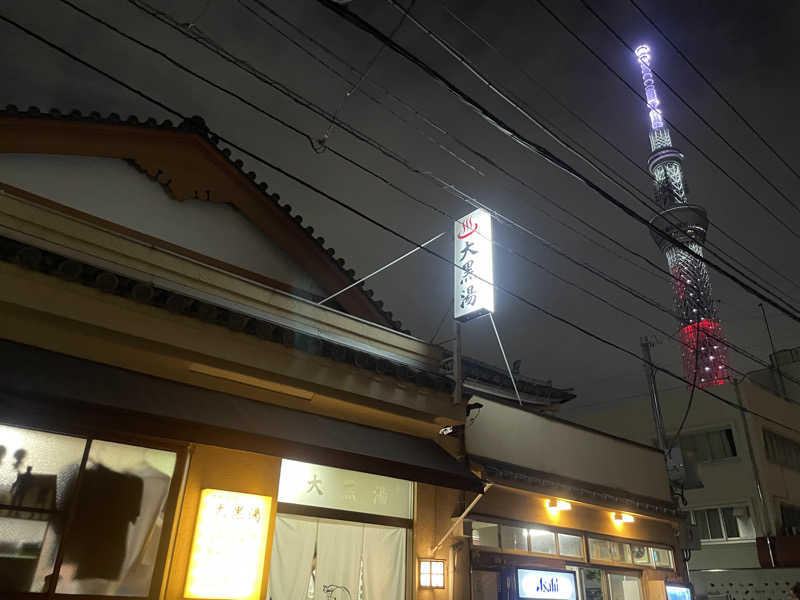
x: 662, y: 557
x: 119, y: 497
x: 542, y: 540
x: 593, y: 583
x: 29, y: 465
x: 624, y: 587
x: 620, y: 552
x: 599, y: 549
x: 570, y: 545
x: 485, y: 534
x: 514, y: 538
x: 641, y: 554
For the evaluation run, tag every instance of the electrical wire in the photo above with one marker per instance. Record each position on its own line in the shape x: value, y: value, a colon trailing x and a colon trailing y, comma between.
x: 520, y: 109
x: 450, y: 217
x: 322, y: 193
x: 538, y: 84
x: 705, y: 122
x: 719, y: 94
x: 522, y: 140
x: 670, y: 123
x: 323, y: 141
x: 364, y: 138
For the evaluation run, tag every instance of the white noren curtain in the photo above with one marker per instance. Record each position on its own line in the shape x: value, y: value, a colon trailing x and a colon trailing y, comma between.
x: 339, y: 551
x: 292, y: 556
x: 384, y: 563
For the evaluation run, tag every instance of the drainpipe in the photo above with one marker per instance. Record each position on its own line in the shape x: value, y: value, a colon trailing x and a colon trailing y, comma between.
x: 757, y: 476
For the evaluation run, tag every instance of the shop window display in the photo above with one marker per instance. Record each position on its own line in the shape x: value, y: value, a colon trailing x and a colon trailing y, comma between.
x: 110, y: 540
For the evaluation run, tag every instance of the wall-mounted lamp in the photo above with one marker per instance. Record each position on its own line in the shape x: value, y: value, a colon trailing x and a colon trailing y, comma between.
x: 555, y: 506
x: 620, y: 518
x: 431, y: 573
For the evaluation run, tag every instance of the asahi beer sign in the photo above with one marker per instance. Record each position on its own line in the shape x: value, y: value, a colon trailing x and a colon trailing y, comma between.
x: 473, y: 290
x: 546, y: 585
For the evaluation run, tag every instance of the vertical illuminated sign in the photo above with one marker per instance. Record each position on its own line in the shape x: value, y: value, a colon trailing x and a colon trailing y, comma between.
x: 473, y: 273
x: 229, y: 546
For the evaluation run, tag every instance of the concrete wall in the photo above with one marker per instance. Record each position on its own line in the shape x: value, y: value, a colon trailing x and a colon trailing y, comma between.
x: 111, y: 189
x: 515, y: 436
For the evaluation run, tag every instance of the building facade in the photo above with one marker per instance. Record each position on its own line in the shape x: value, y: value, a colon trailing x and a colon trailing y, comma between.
x: 747, y: 484
x: 180, y: 417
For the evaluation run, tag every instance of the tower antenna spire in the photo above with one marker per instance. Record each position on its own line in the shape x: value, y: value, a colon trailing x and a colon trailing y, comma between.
x: 704, y: 350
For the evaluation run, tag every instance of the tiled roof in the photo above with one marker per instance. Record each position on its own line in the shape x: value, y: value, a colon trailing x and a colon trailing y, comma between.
x: 197, y: 126
x: 31, y: 257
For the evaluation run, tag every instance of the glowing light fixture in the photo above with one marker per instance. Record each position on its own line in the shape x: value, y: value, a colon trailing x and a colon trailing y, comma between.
x: 431, y: 573
x: 230, y: 541
x: 620, y: 518
x: 555, y: 506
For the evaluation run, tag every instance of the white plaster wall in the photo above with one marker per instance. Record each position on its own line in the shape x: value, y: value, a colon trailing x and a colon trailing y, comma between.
x: 113, y: 190
x: 521, y: 438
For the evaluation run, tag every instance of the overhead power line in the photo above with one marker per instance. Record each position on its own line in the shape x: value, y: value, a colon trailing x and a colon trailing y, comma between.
x: 544, y: 153
x: 204, y: 40
x: 685, y: 102
x: 322, y: 193
x: 469, y: 200
x: 719, y: 94
x: 719, y: 167
x: 522, y: 110
x: 539, y: 85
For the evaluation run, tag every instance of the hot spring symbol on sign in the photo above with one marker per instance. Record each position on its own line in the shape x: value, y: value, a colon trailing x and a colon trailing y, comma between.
x: 546, y: 585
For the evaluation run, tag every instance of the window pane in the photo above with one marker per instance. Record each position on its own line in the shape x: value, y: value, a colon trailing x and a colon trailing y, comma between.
x: 701, y: 520
x: 116, y: 530
x: 641, y: 554
x: 437, y: 567
x: 662, y: 557
x: 731, y: 444
x: 28, y: 547
x: 34, y: 469
x: 514, y: 538
x: 599, y: 549
x: 570, y: 545
x: 624, y: 587
x: 485, y: 534
x: 437, y: 581
x: 731, y: 526
x: 31, y: 463
x: 425, y: 580
x: 714, y: 524
x: 620, y: 552
x: 542, y: 540
x: 593, y: 584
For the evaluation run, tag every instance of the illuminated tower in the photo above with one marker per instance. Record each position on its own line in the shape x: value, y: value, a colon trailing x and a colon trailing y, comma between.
x: 704, y: 353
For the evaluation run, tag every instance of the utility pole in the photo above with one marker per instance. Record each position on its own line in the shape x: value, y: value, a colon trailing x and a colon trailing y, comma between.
x: 773, y: 360
x: 650, y: 375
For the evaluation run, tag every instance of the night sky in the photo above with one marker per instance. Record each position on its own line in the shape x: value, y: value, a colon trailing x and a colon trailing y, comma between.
x: 747, y: 49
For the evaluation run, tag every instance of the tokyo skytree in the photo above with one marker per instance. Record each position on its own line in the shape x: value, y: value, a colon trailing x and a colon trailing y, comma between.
x: 705, y: 357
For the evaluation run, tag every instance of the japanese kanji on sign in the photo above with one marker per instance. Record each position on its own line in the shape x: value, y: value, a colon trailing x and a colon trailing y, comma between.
x: 473, y: 273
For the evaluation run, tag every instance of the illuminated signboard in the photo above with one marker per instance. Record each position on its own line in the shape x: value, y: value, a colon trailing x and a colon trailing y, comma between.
x: 230, y: 541
x: 546, y: 585
x: 678, y: 592
x: 473, y: 278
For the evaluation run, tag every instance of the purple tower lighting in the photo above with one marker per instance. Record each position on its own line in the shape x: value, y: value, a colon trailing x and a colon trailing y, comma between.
x: 705, y: 356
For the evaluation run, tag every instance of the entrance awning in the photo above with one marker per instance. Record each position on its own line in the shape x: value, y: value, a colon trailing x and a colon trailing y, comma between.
x: 53, y: 389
